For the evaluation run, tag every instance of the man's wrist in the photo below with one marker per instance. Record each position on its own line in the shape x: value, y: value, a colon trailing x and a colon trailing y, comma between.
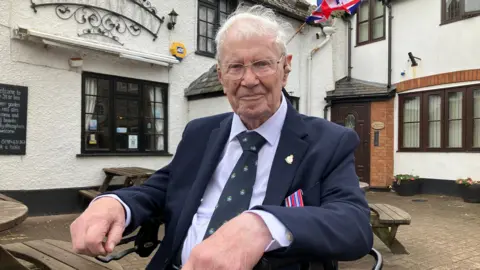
x: 262, y: 234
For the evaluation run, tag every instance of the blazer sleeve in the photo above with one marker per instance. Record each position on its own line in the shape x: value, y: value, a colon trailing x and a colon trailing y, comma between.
x: 338, y: 229
x: 148, y: 200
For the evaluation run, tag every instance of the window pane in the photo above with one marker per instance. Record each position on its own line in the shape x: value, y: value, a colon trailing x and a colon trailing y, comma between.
x: 223, y: 5
x: 411, y: 122
x: 121, y: 108
x: 350, y: 121
x: 122, y: 87
x: 472, y: 5
x: 434, y: 121
x: 97, y: 141
x: 378, y: 28
x: 103, y: 88
x: 202, y: 28
x: 210, y: 30
x: 211, y: 16
x: 455, y: 119
x: 452, y: 9
x: 101, y: 115
x: 202, y: 44
x: 363, y: 32
x: 132, y: 108
x: 378, y: 9
x: 133, y: 88
x: 211, y: 46
x: 364, y: 11
x: 476, y: 118
x: 155, y: 143
x: 202, y: 13
x: 223, y: 18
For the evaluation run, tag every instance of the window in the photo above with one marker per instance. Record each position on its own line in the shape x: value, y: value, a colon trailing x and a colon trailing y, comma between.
x: 442, y: 120
x: 211, y: 15
x: 295, y: 102
x: 370, y: 22
x: 455, y: 10
x: 123, y: 116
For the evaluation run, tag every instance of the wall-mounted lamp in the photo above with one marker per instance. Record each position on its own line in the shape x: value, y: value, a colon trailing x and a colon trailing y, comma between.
x: 173, y: 19
x: 412, y: 58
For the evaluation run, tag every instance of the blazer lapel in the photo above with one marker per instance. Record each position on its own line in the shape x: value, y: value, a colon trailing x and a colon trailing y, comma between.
x: 291, y: 144
x: 210, y: 160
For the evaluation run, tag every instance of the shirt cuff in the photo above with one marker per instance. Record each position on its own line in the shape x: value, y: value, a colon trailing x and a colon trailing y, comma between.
x: 282, y: 237
x: 128, y: 214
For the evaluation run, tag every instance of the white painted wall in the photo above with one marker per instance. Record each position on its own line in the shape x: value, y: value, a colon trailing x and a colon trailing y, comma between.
x: 54, y: 101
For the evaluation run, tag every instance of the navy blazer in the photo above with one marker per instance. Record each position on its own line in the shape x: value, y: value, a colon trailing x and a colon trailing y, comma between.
x: 334, y: 224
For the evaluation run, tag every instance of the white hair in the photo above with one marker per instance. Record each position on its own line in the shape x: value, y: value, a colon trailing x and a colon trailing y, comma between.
x: 257, y: 21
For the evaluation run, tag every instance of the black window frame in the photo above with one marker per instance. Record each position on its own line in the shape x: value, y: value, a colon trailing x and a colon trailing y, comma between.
x: 467, y: 120
x: 142, y: 141
x: 371, y: 8
x: 231, y: 5
x: 462, y: 16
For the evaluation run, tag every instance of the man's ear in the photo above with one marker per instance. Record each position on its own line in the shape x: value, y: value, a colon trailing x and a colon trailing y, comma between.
x: 287, y: 67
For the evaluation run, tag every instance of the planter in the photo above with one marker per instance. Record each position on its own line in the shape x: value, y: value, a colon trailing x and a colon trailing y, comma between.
x: 407, y: 187
x: 471, y: 193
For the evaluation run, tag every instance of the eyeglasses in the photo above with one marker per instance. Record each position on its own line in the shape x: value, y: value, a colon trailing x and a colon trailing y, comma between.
x: 261, y: 68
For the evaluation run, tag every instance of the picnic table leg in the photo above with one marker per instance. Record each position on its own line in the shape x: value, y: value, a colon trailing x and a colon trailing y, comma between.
x: 106, y: 183
x: 387, y: 235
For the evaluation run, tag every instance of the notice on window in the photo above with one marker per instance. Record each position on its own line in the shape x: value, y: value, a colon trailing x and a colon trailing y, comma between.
x: 13, y: 119
x: 132, y: 141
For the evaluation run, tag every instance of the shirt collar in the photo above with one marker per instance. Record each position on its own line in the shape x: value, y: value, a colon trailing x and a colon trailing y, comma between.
x: 270, y: 130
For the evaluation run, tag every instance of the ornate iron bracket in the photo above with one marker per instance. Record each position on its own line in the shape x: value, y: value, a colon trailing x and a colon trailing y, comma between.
x: 105, y: 21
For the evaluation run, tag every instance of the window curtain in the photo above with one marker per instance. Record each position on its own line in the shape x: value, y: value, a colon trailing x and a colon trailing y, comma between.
x: 476, y: 118
x: 90, y: 99
x: 157, y: 112
x: 434, y: 121
x: 411, y: 123
x: 455, y: 119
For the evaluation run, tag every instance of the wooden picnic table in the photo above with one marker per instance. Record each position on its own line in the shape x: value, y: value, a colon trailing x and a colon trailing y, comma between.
x: 55, y: 255
x: 12, y: 212
x: 133, y: 176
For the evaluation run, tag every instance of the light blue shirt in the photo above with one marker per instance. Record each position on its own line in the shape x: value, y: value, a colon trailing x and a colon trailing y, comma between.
x: 271, y: 131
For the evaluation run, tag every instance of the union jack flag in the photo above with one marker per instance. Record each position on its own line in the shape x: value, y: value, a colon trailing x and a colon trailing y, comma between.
x: 295, y: 200
x: 326, y: 8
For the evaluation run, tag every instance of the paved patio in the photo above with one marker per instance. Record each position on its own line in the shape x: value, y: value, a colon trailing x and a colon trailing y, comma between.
x: 443, y: 234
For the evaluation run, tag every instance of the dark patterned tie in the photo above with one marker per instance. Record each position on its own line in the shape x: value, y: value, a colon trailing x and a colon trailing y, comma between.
x: 237, y: 193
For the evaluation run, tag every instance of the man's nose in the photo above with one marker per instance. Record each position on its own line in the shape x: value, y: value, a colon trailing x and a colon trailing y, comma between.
x: 249, y: 78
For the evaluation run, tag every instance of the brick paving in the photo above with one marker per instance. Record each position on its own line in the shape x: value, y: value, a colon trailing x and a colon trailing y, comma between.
x: 443, y: 234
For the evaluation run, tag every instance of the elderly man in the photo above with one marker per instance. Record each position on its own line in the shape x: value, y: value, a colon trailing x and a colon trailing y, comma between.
x: 223, y: 196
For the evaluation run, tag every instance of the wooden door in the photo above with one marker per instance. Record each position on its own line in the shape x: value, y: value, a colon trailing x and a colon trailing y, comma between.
x: 357, y: 117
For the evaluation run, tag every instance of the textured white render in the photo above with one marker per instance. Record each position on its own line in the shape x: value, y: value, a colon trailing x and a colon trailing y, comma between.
x: 442, y: 48
x: 54, y: 89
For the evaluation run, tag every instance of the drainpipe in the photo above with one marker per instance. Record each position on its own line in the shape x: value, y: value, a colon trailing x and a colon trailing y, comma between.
x: 328, y: 32
x: 390, y: 18
x: 349, y: 25
x: 325, y: 109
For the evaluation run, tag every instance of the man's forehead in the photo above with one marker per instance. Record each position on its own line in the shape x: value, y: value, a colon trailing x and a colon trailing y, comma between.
x: 249, y: 47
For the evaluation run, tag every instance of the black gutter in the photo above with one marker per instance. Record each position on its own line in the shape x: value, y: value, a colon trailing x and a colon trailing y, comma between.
x: 390, y: 18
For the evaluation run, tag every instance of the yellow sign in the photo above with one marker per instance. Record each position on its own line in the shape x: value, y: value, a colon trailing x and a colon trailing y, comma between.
x: 178, y: 50
x: 378, y: 125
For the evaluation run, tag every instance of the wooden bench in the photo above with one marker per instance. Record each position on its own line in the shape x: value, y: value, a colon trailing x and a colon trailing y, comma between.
x: 385, y: 220
x: 133, y: 176
x: 55, y: 255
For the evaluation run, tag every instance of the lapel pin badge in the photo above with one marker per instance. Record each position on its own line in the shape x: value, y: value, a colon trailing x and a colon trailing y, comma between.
x: 289, y: 159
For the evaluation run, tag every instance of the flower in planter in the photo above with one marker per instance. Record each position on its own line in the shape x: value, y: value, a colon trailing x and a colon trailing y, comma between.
x: 467, y: 181
x: 405, y: 177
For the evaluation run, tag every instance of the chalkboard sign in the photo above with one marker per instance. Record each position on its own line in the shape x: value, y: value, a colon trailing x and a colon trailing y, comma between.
x: 13, y: 119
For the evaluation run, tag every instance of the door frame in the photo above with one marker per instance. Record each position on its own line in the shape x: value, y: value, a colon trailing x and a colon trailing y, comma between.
x: 367, y: 140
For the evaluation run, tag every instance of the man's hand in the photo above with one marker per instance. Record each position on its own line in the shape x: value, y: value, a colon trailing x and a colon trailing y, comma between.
x: 238, y: 245
x: 104, y: 217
